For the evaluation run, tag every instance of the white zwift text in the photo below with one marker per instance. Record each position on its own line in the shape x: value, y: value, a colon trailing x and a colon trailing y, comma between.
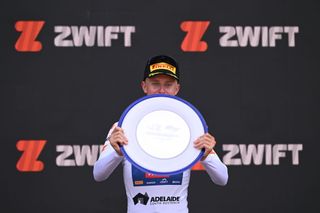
x: 263, y: 36
x: 258, y: 154
x: 90, y: 36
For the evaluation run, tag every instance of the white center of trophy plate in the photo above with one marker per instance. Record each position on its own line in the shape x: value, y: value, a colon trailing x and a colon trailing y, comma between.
x: 163, y: 134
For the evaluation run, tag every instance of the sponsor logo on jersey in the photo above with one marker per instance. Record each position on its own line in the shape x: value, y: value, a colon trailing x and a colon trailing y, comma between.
x: 155, y: 200
x: 164, y: 200
x: 138, y: 182
x: 141, y: 199
x: 140, y: 178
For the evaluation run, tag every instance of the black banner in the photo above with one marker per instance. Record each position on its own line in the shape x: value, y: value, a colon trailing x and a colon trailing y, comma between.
x: 70, y: 68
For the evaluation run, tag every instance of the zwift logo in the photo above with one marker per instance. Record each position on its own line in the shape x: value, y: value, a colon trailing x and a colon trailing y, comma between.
x: 89, y: 36
x: 72, y: 36
x: 31, y: 150
x: 259, y: 154
x: 236, y: 36
x: 27, y: 41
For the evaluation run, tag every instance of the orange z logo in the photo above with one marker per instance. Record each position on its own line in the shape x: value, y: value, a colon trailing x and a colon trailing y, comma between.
x: 29, y: 32
x: 195, y: 31
x: 28, y: 161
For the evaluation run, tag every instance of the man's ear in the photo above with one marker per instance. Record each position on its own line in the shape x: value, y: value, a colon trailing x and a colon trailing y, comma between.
x: 177, y: 89
x: 144, y: 86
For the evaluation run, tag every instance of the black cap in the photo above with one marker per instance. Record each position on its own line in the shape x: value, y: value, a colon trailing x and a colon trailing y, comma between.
x: 161, y: 64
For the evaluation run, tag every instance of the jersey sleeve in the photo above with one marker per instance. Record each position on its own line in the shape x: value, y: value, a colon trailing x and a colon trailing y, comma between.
x: 108, y: 160
x: 216, y: 169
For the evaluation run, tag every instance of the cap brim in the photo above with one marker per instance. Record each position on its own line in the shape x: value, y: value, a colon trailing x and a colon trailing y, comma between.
x: 163, y: 72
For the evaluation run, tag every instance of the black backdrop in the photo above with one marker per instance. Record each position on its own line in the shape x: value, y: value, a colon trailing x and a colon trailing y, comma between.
x: 263, y: 97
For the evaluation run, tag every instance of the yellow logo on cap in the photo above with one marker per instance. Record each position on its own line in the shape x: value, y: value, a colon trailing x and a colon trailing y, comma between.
x: 163, y: 66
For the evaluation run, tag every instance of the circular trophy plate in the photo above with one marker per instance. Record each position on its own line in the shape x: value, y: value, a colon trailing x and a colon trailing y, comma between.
x: 161, y: 130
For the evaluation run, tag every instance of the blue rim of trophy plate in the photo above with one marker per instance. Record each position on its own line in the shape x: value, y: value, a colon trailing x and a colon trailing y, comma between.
x: 205, y: 128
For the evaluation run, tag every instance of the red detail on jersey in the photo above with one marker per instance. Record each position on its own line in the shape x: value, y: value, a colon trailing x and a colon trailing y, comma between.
x: 149, y: 175
x: 28, y: 161
x: 195, y: 31
x: 29, y: 32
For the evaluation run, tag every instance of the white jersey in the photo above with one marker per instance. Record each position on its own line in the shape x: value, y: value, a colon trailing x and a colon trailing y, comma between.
x: 151, y: 193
